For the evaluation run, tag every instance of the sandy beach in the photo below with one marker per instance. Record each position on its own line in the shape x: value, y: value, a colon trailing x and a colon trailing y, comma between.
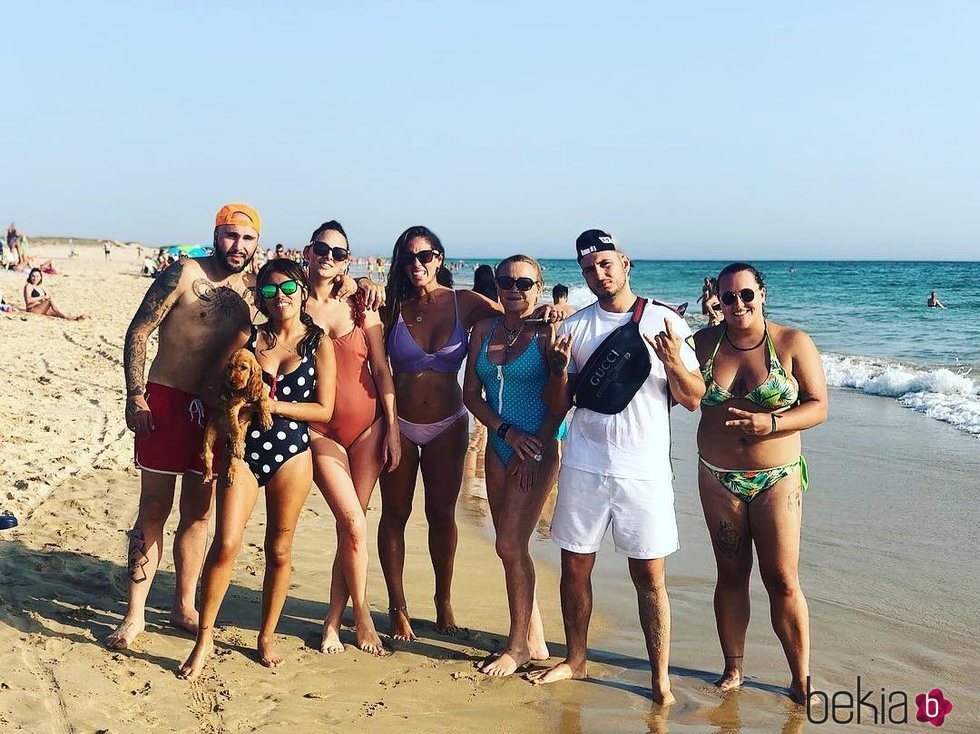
x: 889, y: 567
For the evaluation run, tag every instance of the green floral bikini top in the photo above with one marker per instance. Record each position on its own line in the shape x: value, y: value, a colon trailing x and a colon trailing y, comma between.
x: 780, y: 390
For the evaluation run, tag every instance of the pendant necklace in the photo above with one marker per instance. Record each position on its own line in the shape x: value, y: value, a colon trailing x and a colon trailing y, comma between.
x: 511, y: 336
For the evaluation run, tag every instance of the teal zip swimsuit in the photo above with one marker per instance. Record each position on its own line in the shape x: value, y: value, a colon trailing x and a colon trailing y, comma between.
x: 513, y: 391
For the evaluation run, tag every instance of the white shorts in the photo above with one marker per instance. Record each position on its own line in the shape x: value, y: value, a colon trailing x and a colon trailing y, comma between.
x: 641, y: 513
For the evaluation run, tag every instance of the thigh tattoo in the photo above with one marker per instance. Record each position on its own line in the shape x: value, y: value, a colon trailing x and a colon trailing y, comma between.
x: 728, y: 539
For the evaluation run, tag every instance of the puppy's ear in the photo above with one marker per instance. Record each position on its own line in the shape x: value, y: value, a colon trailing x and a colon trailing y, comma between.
x: 256, y: 387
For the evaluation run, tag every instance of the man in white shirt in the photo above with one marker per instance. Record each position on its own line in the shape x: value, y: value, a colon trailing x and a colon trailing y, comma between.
x: 616, y: 468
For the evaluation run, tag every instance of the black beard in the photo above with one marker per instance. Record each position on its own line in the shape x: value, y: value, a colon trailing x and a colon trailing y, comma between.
x: 223, y: 261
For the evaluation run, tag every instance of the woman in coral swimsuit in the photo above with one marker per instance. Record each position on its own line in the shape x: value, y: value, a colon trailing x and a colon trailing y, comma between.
x: 765, y: 384
x: 350, y: 451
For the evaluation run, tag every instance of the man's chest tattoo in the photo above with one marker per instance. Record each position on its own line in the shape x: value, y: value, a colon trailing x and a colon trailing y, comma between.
x: 223, y: 302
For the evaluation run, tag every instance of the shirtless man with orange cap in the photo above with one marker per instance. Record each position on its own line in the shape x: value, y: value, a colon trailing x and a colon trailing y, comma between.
x: 198, y: 305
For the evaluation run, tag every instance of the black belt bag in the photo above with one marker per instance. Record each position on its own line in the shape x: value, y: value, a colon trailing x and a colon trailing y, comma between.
x: 616, y: 369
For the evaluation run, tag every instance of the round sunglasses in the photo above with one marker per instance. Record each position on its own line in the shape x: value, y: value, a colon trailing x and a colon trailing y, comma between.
x: 322, y: 249
x: 423, y: 256
x: 505, y: 283
x: 288, y: 288
x: 746, y: 294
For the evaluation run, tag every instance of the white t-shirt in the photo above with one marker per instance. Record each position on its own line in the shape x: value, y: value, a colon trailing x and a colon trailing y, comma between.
x: 634, y: 443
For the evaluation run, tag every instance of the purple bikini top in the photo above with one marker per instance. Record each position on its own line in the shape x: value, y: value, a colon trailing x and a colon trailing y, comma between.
x: 407, y: 356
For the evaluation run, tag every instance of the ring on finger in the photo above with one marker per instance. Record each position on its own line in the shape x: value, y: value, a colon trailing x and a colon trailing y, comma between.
x: 538, y: 457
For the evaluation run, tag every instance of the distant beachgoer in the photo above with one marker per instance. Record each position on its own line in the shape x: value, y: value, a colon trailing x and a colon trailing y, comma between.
x: 361, y: 438
x: 198, y: 304
x: 934, y: 301
x: 300, y: 370
x: 616, y: 465
x: 38, y: 301
x: 506, y: 371
x: 559, y: 295
x: 710, y: 305
x: 484, y: 282
x: 106, y: 249
x: 13, y: 243
x: 765, y: 384
x: 426, y: 324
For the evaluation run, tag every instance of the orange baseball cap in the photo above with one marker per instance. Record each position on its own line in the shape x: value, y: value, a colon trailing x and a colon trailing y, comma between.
x: 241, y: 214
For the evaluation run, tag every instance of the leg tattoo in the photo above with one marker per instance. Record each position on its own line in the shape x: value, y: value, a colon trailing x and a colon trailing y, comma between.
x: 728, y: 539
x: 137, y: 555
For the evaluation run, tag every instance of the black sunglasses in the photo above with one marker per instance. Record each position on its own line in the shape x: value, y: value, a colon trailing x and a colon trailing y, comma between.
x: 322, y: 249
x: 423, y: 256
x: 746, y: 294
x: 505, y: 283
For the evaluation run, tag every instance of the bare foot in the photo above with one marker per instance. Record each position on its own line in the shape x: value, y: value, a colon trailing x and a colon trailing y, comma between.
x: 507, y: 663
x: 660, y: 693
x: 401, y: 625
x: 122, y: 637
x: 268, y: 655
x: 730, y: 679
x: 445, y: 619
x: 563, y: 671
x: 184, y: 620
x: 367, y: 637
x: 194, y: 664
x: 330, y: 643
x: 797, y: 692
x: 539, y: 651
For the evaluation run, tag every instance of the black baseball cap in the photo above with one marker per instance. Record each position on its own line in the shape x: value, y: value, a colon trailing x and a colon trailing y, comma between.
x: 593, y: 240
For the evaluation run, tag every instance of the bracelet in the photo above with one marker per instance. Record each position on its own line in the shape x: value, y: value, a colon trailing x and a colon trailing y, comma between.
x: 135, y: 392
x: 502, y: 430
x: 773, y: 416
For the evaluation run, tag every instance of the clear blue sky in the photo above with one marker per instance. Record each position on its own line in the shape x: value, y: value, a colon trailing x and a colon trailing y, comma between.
x: 721, y: 130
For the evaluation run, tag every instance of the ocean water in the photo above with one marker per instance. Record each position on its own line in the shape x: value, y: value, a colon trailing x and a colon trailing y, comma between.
x: 868, y: 319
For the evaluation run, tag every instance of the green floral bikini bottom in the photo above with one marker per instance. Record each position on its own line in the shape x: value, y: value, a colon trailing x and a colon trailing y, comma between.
x: 746, y: 484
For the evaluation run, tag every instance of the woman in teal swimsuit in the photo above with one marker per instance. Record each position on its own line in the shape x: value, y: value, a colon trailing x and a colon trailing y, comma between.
x: 765, y: 384
x: 505, y: 374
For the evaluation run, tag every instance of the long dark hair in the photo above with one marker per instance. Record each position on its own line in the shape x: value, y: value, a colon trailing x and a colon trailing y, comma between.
x: 39, y: 272
x: 484, y: 283
x: 292, y: 270
x: 399, y: 287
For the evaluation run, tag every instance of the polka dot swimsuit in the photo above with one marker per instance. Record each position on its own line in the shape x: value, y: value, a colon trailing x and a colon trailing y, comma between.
x: 266, y: 451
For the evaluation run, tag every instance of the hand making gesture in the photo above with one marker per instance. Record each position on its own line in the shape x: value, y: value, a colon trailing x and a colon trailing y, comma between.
x: 667, y: 346
x: 559, y: 350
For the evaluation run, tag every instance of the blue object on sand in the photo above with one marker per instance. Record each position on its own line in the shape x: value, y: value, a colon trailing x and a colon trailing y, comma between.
x: 7, y: 522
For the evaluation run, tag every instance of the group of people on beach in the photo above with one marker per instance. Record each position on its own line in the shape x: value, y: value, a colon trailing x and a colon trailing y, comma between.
x: 364, y: 386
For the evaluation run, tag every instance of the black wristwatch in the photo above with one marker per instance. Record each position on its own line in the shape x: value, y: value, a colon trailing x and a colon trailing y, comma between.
x: 502, y: 430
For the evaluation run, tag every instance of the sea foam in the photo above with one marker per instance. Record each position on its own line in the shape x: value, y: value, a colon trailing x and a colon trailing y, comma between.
x: 940, y: 393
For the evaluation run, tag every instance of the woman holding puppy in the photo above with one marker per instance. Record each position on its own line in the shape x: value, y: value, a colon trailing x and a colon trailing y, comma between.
x: 350, y: 450
x: 299, y: 369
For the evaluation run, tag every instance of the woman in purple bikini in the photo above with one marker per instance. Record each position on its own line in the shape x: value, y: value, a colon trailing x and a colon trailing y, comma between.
x: 426, y: 324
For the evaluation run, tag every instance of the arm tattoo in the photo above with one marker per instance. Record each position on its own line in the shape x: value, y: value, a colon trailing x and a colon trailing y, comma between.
x: 148, y: 316
x: 137, y: 555
x: 728, y: 540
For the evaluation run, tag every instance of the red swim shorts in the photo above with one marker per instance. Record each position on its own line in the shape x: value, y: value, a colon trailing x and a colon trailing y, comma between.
x: 174, y: 446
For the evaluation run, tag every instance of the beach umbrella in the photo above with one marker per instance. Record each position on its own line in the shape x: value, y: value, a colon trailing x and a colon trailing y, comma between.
x: 189, y: 250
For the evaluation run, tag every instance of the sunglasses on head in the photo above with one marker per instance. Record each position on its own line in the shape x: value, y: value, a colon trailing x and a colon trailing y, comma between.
x: 505, y: 283
x: 423, y: 256
x: 322, y: 249
x: 288, y: 288
x: 746, y: 294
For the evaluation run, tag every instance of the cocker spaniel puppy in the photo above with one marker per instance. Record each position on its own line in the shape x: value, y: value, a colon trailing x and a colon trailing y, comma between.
x: 243, y: 395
